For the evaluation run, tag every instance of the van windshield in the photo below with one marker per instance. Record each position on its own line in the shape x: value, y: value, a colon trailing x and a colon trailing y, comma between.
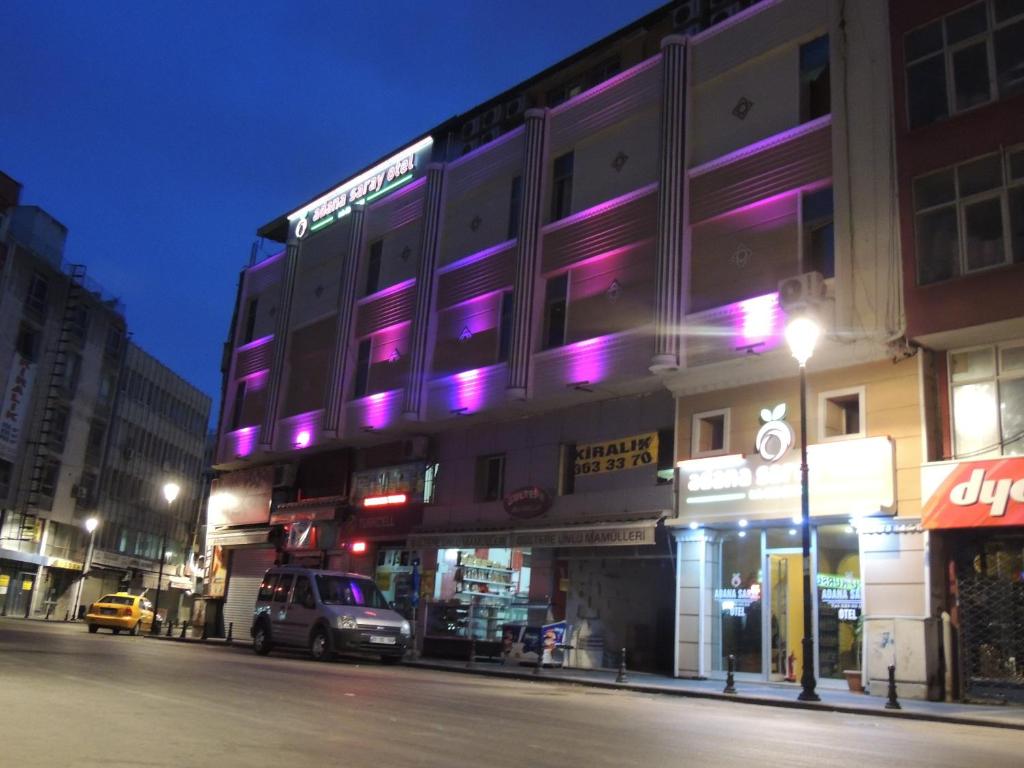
x: 341, y: 590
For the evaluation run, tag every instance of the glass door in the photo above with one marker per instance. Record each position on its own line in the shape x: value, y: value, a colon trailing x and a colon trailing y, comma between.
x: 783, y: 628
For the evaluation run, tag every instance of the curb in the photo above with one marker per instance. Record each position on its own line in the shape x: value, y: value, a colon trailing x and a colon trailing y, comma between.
x: 693, y: 694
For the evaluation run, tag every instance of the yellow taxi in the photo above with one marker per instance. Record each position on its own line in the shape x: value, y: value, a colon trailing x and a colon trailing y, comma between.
x: 122, y: 610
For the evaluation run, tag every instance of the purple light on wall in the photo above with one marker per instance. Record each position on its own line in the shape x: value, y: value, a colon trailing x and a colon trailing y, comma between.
x: 600, y: 208
x: 242, y: 442
x: 375, y: 411
x: 762, y: 144
x: 587, y: 360
x: 607, y: 85
x: 383, y: 293
x: 758, y: 319
x: 255, y: 343
x: 468, y: 392
x: 473, y: 258
x: 302, y: 439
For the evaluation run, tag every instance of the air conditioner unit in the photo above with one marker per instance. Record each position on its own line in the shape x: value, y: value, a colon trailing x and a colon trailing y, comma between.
x: 489, y: 136
x: 515, y: 107
x: 470, y: 128
x: 801, y: 291
x: 469, y: 146
x: 685, y: 13
x: 80, y: 492
x: 284, y: 475
x: 415, y: 448
x: 721, y: 15
x: 692, y: 29
x: 491, y: 117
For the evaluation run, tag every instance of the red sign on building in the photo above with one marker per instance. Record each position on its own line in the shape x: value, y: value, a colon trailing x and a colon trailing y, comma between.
x: 975, y: 494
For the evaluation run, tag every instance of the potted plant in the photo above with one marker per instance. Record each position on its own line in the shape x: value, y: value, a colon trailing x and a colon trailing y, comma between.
x: 854, y: 677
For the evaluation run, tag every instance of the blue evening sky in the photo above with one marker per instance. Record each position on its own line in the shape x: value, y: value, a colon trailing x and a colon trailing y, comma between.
x: 163, y: 134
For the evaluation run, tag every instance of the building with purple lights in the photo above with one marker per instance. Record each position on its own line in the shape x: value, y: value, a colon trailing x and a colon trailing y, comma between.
x: 529, y: 369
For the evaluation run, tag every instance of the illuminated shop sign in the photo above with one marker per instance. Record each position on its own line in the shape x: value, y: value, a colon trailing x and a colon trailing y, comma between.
x: 973, y: 494
x: 615, y: 455
x: 388, y: 485
x: 842, y: 593
x: 736, y: 600
x: 847, y: 478
x: 397, y: 171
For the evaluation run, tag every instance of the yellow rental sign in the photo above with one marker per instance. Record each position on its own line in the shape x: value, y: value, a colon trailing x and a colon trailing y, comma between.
x: 615, y: 455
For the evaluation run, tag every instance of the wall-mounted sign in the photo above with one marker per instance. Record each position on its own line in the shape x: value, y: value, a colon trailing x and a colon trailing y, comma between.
x: 241, y: 497
x: 842, y: 593
x: 973, y: 494
x: 849, y: 478
x: 323, y: 508
x: 624, y: 535
x: 775, y: 437
x: 397, y: 171
x: 383, y: 482
x: 527, y: 502
x: 633, y: 452
x: 16, y: 404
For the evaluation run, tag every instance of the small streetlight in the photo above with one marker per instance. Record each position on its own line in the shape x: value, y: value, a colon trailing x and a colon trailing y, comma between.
x: 171, y: 491
x: 90, y: 525
x: 801, y: 335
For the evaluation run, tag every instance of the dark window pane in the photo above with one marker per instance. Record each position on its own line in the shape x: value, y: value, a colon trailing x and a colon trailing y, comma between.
x: 514, y: 204
x: 926, y: 91
x: 362, y: 368
x: 934, y: 189
x: 554, y: 301
x: 1011, y: 412
x: 1009, y: 44
x: 937, y: 249
x: 1007, y: 9
x: 505, y: 327
x: 970, y: 76
x: 984, y: 224
x: 923, y: 41
x: 815, y: 93
x: 968, y: 22
x: 373, y: 267
x: 1017, y: 223
x: 561, y: 190
x: 980, y: 175
x: 1017, y: 165
x: 283, y: 588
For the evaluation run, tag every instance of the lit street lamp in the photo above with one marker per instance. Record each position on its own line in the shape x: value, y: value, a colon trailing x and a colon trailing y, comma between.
x: 90, y: 526
x: 170, y: 493
x: 801, y: 335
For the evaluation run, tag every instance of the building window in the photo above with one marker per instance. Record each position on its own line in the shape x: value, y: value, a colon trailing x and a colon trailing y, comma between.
x: 49, y: 478
x: 236, y: 407
x: 80, y: 323
x: 373, y: 266
x: 515, y: 202
x: 841, y: 414
x: 567, y: 476
x: 818, y: 232
x: 430, y: 477
x: 115, y: 338
x: 35, y: 300
x: 94, y: 441
x: 963, y: 60
x: 967, y: 218
x: 250, y: 321
x: 710, y: 433
x: 362, y: 379
x: 490, y: 477
x: 5, y: 478
x: 555, y: 298
x: 987, y: 388
x: 505, y: 325
x: 27, y: 343
x: 815, y: 86
x: 561, y: 187
x: 58, y: 429
x: 72, y: 373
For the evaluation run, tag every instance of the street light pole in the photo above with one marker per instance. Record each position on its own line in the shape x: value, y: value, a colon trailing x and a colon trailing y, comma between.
x: 170, y: 493
x: 90, y: 526
x: 802, y: 334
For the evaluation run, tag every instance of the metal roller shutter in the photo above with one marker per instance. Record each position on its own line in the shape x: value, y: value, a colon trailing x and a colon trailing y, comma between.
x: 244, y: 578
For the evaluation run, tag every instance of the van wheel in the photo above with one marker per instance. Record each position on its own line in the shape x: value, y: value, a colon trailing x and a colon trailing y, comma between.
x: 93, y: 628
x: 261, y: 639
x: 319, y: 646
x: 116, y: 631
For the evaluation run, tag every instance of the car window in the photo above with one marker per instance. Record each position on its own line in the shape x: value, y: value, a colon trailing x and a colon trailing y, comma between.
x: 283, y: 587
x: 302, y: 593
x: 117, y: 600
x: 267, y: 587
x: 342, y: 590
x: 146, y: 605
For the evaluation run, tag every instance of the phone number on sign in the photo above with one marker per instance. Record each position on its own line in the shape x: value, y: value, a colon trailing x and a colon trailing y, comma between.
x: 612, y: 464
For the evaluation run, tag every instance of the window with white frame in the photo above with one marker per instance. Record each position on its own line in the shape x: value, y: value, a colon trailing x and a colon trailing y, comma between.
x: 710, y: 433
x: 965, y: 59
x: 970, y: 217
x: 841, y: 414
x: 987, y: 394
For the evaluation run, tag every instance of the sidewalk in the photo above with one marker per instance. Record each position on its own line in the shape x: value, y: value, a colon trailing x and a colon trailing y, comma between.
x: 765, y: 694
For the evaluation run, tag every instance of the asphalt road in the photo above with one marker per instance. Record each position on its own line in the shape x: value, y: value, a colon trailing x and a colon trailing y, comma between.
x: 69, y: 698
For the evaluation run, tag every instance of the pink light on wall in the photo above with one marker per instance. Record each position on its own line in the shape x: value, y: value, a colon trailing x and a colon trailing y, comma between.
x: 373, y: 412
x: 255, y: 343
x: 467, y: 394
x: 299, y: 431
x: 302, y: 439
x: 587, y: 360
x: 759, y: 319
x: 241, y: 442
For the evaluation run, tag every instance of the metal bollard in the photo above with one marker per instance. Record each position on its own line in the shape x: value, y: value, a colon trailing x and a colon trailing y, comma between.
x: 231, y: 629
x: 170, y: 627
x: 892, y: 703
x: 622, y: 677
x: 730, y: 680
x: 472, y: 653
x: 184, y: 629
x: 206, y: 632
x: 67, y: 615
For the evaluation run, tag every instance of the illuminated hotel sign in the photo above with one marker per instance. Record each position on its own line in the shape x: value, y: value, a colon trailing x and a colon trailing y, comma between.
x: 397, y: 171
x: 849, y: 478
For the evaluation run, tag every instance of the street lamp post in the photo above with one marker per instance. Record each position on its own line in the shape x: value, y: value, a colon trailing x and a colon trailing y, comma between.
x: 801, y: 335
x: 90, y: 526
x: 170, y: 493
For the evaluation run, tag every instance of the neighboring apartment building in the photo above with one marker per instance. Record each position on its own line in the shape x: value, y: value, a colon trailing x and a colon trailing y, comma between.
x: 61, y: 343
x: 482, y: 368
x: 958, y: 74
x: 158, y: 436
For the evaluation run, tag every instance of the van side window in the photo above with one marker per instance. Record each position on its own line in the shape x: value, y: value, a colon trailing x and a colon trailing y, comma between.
x: 302, y: 593
x: 284, y: 586
x: 267, y: 588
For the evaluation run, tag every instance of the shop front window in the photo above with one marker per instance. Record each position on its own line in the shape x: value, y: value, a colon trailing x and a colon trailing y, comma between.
x: 839, y: 600
x: 737, y: 602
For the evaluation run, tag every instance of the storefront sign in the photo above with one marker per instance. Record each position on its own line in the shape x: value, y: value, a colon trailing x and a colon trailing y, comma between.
x: 527, y: 502
x: 842, y: 593
x: 15, y: 405
x: 610, y: 536
x: 735, y: 600
x: 324, y: 508
x: 625, y: 453
x: 397, y: 171
x: 973, y: 494
x: 849, y: 478
x: 383, y: 523
x: 241, y: 498
x: 218, y: 572
x: 404, y: 479
x: 67, y: 565
x: 497, y: 539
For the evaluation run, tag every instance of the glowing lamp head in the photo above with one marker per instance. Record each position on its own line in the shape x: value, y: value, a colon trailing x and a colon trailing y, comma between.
x: 302, y: 439
x: 171, y: 491
x: 358, y: 547
x: 91, y: 524
x: 801, y: 335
